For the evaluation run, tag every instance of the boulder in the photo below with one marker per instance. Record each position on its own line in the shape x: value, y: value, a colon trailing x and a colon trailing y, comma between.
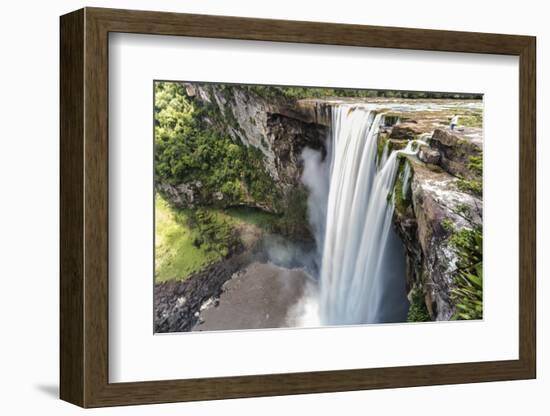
x: 428, y: 155
x: 181, y: 195
x: 456, y: 153
x: 397, y: 144
x: 407, y: 131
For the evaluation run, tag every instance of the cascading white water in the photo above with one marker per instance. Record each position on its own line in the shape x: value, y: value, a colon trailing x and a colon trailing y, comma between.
x: 384, y: 157
x: 362, y: 276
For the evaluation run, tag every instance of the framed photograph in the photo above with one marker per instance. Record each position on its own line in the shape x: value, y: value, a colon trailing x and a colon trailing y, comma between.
x: 262, y: 207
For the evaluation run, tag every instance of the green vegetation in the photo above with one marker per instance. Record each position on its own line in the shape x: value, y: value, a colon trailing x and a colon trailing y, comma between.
x: 381, y: 142
x: 472, y: 186
x: 470, y: 121
x: 188, y: 150
x: 188, y: 240
x: 193, y: 147
x: 418, y: 311
x: 468, y: 292
x: 213, y: 231
x: 176, y: 255
x: 402, y: 200
x: 294, y: 220
x: 448, y: 225
x: 469, y: 118
x: 266, y: 221
x: 467, y: 295
x: 309, y: 92
x: 463, y: 210
x: 475, y: 164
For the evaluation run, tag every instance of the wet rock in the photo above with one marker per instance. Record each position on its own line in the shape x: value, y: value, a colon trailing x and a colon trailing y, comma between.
x: 437, y: 209
x: 407, y: 131
x: 397, y: 144
x: 313, y: 111
x: 456, y: 152
x: 429, y: 155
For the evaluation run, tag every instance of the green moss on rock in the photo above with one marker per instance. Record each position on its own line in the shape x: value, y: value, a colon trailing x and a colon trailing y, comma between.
x: 402, y: 197
x: 381, y: 143
x: 418, y: 311
x: 474, y: 187
x: 475, y: 164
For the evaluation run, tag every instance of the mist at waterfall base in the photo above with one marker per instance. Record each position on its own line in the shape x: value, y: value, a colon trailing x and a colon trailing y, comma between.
x: 359, y: 262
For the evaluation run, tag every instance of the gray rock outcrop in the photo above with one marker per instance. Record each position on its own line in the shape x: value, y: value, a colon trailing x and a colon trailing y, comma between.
x: 436, y: 207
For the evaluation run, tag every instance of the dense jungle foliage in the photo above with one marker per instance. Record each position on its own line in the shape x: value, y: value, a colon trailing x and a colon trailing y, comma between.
x: 187, y: 150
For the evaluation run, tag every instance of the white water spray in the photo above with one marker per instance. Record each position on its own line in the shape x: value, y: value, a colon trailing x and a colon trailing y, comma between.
x: 362, y: 277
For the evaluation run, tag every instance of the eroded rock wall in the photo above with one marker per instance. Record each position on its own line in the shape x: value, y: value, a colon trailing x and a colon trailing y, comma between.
x: 279, y: 127
x: 434, y: 207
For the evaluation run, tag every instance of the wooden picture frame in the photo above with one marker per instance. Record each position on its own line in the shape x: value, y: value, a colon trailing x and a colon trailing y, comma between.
x: 84, y: 207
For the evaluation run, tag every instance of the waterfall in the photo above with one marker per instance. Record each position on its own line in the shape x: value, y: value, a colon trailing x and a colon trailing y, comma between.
x: 384, y: 156
x: 362, y: 276
x: 406, y: 180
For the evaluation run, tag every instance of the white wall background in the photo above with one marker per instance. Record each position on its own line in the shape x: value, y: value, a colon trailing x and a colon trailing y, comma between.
x: 29, y: 210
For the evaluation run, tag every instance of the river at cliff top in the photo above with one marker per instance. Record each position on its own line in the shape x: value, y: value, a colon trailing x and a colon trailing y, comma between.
x: 262, y: 296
